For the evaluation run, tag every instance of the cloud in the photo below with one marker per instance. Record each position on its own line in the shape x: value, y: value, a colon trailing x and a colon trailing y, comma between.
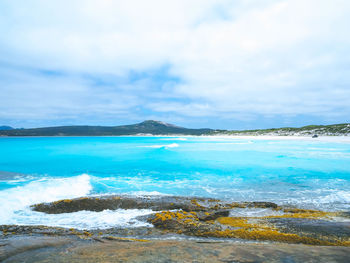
x: 195, y: 61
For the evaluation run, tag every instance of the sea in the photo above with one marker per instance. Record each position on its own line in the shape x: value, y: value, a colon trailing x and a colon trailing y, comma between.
x: 309, y: 173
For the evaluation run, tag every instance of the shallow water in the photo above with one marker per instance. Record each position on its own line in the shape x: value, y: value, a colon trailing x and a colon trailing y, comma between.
x: 305, y: 173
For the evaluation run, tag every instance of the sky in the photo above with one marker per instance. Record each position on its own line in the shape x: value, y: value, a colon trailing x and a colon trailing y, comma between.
x: 236, y: 64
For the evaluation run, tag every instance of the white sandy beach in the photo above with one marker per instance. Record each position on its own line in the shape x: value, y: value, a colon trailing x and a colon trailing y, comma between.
x: 336, y: 139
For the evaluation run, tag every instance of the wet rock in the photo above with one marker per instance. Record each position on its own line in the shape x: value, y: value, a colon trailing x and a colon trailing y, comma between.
x: 119, y: 202
x: 182, y: 222
x: 313, y: 227
x: 161, y: 251
x: 114, y: 202
x: 203, y: 217
x: 249, y: 228
x: 38, y: 230
x: 137, y: 232
x: 25, y: 244
x: 212, y: 215
x: 345, y: 214
x: 262, y: 205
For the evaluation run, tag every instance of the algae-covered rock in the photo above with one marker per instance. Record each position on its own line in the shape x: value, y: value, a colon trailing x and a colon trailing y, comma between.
x: 262, y: 205
x: 182, y: 222
x: 313, y: 227
x: 157, y: 203
x: 204, y: 217
x: 120, y: 202
x: 285, y: 228
x: 212, y: 215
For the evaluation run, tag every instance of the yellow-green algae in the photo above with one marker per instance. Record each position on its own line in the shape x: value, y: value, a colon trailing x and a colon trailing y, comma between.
x: 263, y: 232
x: 61, y: 201
x: 250, y: 231
x: 167, y: 215
x: 195, y: 202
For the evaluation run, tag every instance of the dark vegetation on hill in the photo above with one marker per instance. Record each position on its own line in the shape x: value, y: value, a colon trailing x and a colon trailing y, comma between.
x: 151, y: 127
x: 332, y: 130
x: 146, y: 127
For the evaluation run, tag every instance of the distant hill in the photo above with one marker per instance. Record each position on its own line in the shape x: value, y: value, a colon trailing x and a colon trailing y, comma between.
x: 144, y: 128
x: 325, y: 130
x: 5, y: 128
x: 151, y: 127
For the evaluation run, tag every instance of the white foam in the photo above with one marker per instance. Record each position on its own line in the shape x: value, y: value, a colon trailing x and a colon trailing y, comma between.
x: 15, y: 206
x: 146, y: 193
x: 13, y: 201
x: 173, y: 139
x: 324, y: 199
x: 166, y: 146
x: 336, y: 197
x: 228, y: 143
x: 85, y: 219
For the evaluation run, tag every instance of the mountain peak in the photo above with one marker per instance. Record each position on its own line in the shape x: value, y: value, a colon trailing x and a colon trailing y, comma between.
x: 153, y: 122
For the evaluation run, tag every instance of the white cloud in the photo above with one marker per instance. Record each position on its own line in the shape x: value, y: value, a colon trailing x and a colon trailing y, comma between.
x: 234, y: 58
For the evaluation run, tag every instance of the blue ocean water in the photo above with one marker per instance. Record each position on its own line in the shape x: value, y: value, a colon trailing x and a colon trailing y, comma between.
x: 312, y: 173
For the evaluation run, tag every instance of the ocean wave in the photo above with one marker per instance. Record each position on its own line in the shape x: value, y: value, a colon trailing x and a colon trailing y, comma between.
x: 147, y: 193
x: 13, y: 201
x: 10, y: 177
x: 228, y: 143
x: 15, y: 205
x: 166, y: 146
x: 173, y: 139
x: 85, y: 219
x: 341, y: 197
x: 324, y: 199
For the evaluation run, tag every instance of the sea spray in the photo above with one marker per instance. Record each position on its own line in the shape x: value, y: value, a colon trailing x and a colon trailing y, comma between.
x: 15, y: 202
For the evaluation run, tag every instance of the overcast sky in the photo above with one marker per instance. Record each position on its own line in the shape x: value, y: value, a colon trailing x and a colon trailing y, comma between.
x: 197, y: 63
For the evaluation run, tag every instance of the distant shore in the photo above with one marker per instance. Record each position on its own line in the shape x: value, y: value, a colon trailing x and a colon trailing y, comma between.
x: 152, y: 127
x: 334, y: 138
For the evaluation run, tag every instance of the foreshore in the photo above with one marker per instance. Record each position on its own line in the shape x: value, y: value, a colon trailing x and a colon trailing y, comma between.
x: 70, y: 249
x: 184, y: 230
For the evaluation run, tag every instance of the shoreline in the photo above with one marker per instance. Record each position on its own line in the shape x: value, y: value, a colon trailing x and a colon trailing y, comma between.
x: 189, y: 217
x: 184, y: 230
x: 321, y: 138
x: 41, y: 248
x: 330, y: 138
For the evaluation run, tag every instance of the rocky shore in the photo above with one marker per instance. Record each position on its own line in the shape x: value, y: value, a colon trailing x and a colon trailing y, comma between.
x: 69, y: 250
x: 200, y: 229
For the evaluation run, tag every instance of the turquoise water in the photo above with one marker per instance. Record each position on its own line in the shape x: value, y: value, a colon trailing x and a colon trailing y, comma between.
x: 305, y: 173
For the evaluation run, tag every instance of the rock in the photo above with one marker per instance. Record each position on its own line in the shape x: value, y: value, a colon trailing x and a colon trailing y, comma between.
x: 262, y: 205
x: 23, y: 245
x: 114, y: 202
x: 160, y: 251
x: 212, y: 215
x: 344, y: 214
x: 119, y: 202
x: 182, y: 222
x: 313, y: 227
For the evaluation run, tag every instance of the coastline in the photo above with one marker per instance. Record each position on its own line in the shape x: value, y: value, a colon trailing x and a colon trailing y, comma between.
x: 328, y: 138
x: 71, y: 249
x: 280, y: 233
x: 178, y: 236
x: 337, y: 139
